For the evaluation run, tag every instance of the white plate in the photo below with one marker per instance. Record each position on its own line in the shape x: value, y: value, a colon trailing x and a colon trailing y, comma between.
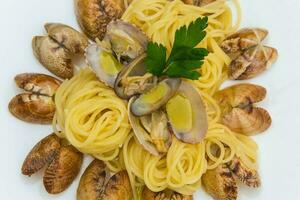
x: 279, y: 146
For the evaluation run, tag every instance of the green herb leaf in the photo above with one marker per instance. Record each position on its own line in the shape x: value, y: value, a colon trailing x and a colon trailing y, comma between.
x: 184, y: 59
x: 156, y: 58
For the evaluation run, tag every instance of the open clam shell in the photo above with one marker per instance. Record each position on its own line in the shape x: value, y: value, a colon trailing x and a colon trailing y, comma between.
x: 238, y: 111
x: 220, y: 183
x: 41, y: 154
x: 155, y: 98
x: 187, y: 114
x: 62, y: 170
x: 133, y: 80
x: 106, y: 72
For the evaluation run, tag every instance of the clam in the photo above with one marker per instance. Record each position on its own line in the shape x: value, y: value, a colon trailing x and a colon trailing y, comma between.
x: 41, y: 154
x: 68, y: 37
x: 55, y: 51
x: 238, y: 111
x: 220, y: 183
x: 93, y: 16
x: 198, y: 2
x: 62, y: 170
x: 164, y: 195
x: 134, y: 79
x: 36, y: 106
x: 151, y: 131
x: 103, y: 63
x: 38, y: 83
x: 118, y: 187
x: 32, y: 108
x: 125, y: 41
x: 93, y: 181
x: 187, y: 114
x: 155, y: 98
x: 240, y: 41
x: 252, y: 62
x: 246, y: 175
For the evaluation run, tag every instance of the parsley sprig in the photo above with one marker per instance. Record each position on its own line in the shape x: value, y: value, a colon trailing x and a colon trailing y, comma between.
x: 184, y: 59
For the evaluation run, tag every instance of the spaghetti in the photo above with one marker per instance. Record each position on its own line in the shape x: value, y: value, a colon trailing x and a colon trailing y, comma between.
x: 91, y: 116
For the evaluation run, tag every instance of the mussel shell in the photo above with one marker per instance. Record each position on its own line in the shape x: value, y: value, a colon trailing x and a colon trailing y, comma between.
x: 198, y: 2
x: 68, y: 37
x: 200, y: 121
x: 220, y: 183
x: 62, y: 170
x: 53, y: 56
x: 38, y: 83
x: 93, y: 181
x: 141, y: 108
x: 93, y: 16
x: 33, y: 108
x: 41, y: 154
x: 164, y: 195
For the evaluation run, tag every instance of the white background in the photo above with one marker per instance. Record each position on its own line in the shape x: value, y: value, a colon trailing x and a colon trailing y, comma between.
x: 279, y: 146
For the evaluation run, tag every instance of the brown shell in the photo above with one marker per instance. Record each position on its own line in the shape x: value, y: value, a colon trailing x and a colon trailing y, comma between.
x: 245, y: 38
x: 198, y: 2
x: 220, y: 183
x: 41, y: 154
x: 238, y: 113
x: 248, y: 122
x: 246, y: 175
x: 164, y: 195
x: 93, y: 181
x: 62, y: 170
x: 53, y: 56
x: 67, y: 37
x: 252, y: 62
x: 93, y: 16
x: 38, y: 83
x: 32, y: 108
x: 118, y: 187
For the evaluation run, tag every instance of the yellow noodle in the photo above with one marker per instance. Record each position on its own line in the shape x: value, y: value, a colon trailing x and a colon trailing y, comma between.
x: 181, y: 169
x: 95, y: 121
x: 91, y: 116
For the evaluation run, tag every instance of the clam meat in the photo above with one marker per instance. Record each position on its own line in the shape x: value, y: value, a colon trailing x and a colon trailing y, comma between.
x: 187, y: 114
x: 134, y: 79
x: 151, y: 131
x: 155, y: 98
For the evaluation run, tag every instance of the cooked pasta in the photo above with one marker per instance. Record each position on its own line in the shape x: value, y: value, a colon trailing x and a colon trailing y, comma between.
x: 91, y: 116
x: 95, y: 121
